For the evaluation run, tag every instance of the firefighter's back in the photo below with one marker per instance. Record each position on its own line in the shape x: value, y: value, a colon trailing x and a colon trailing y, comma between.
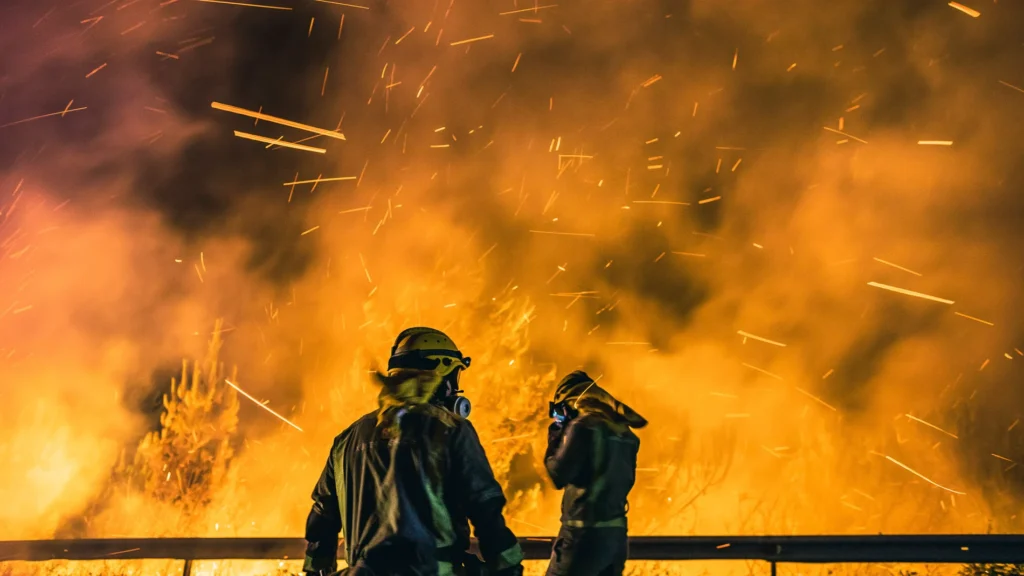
x: 598, y: 497
x: 391, y: 478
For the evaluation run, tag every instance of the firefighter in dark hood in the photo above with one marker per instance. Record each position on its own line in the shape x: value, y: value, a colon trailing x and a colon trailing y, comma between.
x: 592, y: 455
x: 403, y: 482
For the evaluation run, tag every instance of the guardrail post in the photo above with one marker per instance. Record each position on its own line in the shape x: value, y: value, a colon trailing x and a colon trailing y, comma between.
x: 187, y: 571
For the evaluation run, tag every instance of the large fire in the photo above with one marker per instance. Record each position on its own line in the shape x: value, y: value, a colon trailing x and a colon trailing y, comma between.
x: 786, y: 233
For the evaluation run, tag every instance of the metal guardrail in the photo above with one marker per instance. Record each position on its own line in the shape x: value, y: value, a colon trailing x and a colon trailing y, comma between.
x: 939, y: 549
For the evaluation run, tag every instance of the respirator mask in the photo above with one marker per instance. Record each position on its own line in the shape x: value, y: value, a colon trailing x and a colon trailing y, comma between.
x: 561, y: 412
x: 448, y: 395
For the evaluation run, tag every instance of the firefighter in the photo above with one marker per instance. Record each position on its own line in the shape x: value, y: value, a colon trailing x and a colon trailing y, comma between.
x: 592, y: 455
x: 403, y: 483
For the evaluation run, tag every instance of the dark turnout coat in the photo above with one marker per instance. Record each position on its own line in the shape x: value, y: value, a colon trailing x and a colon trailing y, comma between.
x: 593, y: 457
x: 597, y: 469
x: 402, y: 484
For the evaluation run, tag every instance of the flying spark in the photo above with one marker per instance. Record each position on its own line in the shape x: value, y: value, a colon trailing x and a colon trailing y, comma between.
x: 896, y: 266
x: 351, y: 210
x: 531, y: 9
x: 319, y: 180
x: 909, y: 292
x: 760, y: 339
x: 261, y: 405
x: 468, y: 40
x: 276, y: 120
x: 245, y: 4
x: 651, y: 81
x: 61, y: 114
x: 841, y: 133
x: 921, y: 476
x: 279, y: 142
x: 986, y: 322
x: 930, y: 425
x: 816, y: 399
x: 763, y: 371
x: 97, y: 69
x: 1008, y: 85
x: 969, y: 11
x: 344, y: 4
x: 119, y: 552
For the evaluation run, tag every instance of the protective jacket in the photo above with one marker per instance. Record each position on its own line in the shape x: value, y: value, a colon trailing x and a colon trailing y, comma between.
x: 402, y: 485
x: 593, y: 456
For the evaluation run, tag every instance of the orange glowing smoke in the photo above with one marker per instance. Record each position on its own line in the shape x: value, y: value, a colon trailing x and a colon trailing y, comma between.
x: 707, y: 233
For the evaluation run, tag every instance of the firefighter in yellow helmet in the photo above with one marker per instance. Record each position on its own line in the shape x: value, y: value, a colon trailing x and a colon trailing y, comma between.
x: 403, y: 483
x: 592, y: 454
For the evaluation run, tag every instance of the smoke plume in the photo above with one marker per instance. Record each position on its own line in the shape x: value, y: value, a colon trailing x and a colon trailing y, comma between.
x: 688, y: 199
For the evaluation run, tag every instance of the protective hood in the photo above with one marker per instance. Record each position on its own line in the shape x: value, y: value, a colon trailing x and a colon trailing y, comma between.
x: 579, y: 390
x: 404, y: 388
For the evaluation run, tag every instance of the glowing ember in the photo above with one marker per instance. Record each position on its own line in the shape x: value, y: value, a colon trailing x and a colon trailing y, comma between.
x: 279, y: 142
x: 921, y: 476
x: 276, y: 120
x: 969, y: 11
x: 896, y: 266
x: 261, y: 404
x: 471, y: 40
x: 986, y: 322
x: 246, y: 4
x: 841, y: 133
x: 910, y: 293
x: 62, y: 113
x: 759, y: 339
x: 915, y: 419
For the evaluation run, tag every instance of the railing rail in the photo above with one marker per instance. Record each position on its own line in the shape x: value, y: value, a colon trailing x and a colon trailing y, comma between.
x: 944, y: 549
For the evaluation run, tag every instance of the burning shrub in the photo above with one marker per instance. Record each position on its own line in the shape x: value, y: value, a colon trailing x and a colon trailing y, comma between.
x: 182, y: 463
x: 992, y: 570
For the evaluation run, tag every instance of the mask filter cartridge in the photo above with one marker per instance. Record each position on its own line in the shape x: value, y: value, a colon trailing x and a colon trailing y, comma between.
x: 459, y: 405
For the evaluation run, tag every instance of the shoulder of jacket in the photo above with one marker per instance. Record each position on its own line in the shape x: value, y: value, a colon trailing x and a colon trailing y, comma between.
x: 591, y: 421
x: 600, y: 425
x: 360, y: 423
x: 461, y: 427
x: 437, y: 414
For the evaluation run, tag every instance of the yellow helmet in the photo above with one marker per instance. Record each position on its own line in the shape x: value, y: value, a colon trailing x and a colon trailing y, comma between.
x: 427, y: 349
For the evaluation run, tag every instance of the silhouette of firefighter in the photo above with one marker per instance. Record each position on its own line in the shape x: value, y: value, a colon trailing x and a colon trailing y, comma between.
x: 592, y: 455
x: 403, y: 482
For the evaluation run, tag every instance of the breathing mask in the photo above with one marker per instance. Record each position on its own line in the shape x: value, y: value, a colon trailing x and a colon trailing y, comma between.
x: 449, y: 395
x: 561, y: 412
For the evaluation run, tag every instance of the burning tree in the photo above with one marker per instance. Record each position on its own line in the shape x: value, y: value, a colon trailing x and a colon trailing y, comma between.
x: 183, y: 462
